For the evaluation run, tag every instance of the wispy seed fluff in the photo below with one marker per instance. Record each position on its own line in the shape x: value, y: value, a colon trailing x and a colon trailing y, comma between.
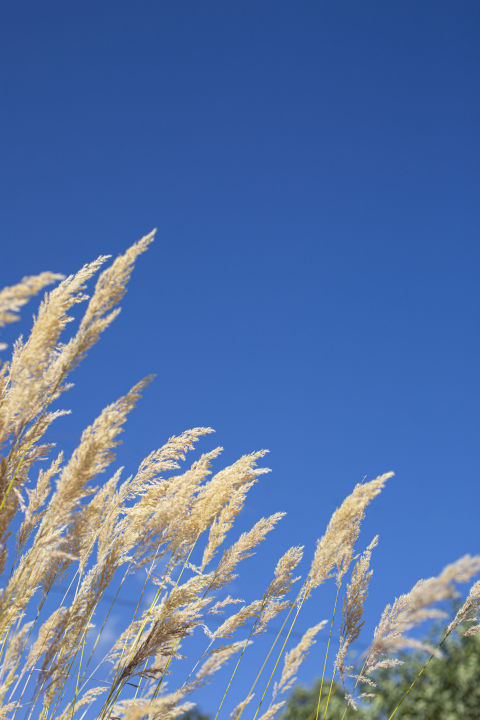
x: 410, y: 610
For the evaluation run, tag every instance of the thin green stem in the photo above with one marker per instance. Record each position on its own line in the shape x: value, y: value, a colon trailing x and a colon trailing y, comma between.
x: 140, y: 681
x: 166, y: 574
x: 354, y: 687
x: 330, y: 690
x: 413, y: 683
x: 68, y: 674
x: 119, y: 683
x: 235, y: 669
x: 326, y: 654
x: 272, y: 647
x: 107, y: 616
x: 78, y: 675
x: 278, y: 659
x: 177, y: 642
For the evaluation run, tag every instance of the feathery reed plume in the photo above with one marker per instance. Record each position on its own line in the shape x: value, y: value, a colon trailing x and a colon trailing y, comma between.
x: 279, y: 587
x: 167, y: 707
x: 411, y: 609
x: 265, y: 610
x: 14, y: 297
x: 352, y: 624
x: 109, y: 291
x: 468, y: 612
x: 238, y: 710
x: 218, y: 659
x: 335, y: 549
x: 353, y: 602
x: 223, y: 499
x: 36, y: 500
x: 242, y: 549
x: 86, y: 699
x: 295, y: 658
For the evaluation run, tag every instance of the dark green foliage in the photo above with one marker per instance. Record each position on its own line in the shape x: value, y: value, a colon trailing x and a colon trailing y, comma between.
x: 448, y: 689
x: 194, y: 714
x: 302, y: 704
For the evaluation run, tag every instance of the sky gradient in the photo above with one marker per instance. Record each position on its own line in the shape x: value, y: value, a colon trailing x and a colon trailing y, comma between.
x: 313, y: 169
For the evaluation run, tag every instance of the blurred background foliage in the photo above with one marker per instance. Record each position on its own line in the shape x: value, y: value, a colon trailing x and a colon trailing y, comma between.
x: 448, y: 689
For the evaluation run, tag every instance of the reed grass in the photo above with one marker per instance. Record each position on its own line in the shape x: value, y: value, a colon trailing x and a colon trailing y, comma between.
x: 68, y: 529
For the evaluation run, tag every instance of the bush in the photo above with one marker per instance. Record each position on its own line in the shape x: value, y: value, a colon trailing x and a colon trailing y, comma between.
x: 448, y: 688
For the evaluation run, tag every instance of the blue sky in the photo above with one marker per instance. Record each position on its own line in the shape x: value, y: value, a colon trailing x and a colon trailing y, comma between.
x: 313, y: 172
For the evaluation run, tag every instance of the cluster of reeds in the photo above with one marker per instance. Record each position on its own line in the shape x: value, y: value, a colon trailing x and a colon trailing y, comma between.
x: 72, y: 533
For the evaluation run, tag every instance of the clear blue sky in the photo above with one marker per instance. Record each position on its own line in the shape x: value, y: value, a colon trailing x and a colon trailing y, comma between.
x: 313, y: 170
